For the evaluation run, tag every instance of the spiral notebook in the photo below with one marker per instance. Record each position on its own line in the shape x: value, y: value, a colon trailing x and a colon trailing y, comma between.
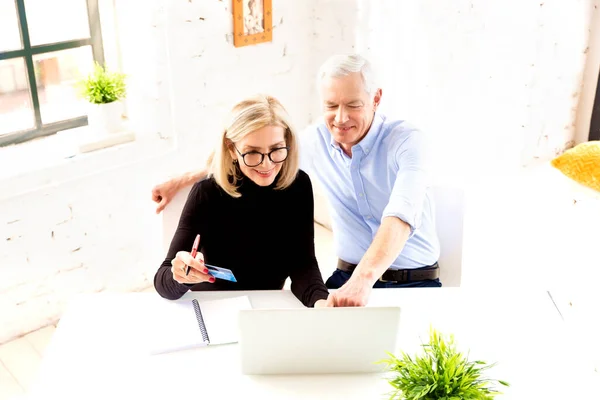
x: 185, y: 324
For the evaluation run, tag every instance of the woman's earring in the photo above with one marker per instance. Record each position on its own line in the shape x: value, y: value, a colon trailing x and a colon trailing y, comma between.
x: 235, y: 161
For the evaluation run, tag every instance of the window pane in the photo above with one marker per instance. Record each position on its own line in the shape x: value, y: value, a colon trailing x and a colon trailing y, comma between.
x: 16, y: 113
x: 10, y: 38
x: 56, y: 20
x: 57, y: 74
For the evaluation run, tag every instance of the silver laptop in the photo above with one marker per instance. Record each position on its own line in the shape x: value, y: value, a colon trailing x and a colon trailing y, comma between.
x: 316, y: 341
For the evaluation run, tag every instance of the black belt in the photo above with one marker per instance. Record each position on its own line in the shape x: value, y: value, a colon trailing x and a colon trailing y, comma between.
x: 400, y: 275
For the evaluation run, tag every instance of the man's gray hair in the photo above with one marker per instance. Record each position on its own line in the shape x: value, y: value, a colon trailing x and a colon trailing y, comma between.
x: 343, y: 64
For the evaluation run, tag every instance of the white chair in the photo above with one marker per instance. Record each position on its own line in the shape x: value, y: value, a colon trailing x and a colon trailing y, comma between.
x: 449, y: 212
x: 171, y: 214
x: 449, y: 220
x: 449, y: 215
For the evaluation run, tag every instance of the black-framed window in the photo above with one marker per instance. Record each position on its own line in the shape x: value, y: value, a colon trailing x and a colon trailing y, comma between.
x: 45, y: 48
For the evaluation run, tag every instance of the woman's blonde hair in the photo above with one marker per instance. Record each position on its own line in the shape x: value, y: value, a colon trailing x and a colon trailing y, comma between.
x: 246, y: 117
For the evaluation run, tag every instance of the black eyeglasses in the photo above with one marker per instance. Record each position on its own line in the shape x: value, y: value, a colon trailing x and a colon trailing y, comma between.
x: 255, y: 158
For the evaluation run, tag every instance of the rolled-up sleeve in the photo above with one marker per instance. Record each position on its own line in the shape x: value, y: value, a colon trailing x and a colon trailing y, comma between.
x: 412, y: 181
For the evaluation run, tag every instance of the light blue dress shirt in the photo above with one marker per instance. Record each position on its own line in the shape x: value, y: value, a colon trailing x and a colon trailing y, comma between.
x: 387, y: 175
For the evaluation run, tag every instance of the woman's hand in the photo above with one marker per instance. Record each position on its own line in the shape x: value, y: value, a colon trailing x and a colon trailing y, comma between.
x: 198, y: 271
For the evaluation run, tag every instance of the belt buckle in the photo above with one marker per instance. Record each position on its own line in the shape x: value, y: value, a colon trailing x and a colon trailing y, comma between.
x: 404, y: 277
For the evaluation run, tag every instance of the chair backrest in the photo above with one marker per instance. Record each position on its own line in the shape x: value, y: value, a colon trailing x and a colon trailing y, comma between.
x: 171, y: 215
x: 449, y: 220
x: 449, y: 214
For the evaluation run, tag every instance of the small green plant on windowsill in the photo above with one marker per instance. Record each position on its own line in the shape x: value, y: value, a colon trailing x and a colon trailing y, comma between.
x: 441, y: 373
x: 103, y: 89
x: 103, y: 86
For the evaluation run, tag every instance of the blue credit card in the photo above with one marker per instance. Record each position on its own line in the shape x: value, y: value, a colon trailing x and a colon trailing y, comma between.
x: 221, y: 273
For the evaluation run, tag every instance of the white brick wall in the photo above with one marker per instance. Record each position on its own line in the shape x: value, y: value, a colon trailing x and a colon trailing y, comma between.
x: 99, y: 232
x: 497, y: 82
x: 91, y: 235
x: 461, y: 70
x: 209, y: 74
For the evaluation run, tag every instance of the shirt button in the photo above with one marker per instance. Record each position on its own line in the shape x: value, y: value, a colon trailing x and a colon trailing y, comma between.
x: 368, y: 217
x: 360, y: 195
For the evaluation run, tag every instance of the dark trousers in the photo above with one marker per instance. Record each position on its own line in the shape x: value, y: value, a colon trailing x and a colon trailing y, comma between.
x: 339, y: 277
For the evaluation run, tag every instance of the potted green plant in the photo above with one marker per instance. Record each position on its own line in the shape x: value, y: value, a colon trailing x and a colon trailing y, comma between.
x: 441, y: 373
x: 104, y: 90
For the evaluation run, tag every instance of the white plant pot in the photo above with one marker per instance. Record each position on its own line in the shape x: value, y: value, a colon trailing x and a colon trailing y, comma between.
x: 105, y: 118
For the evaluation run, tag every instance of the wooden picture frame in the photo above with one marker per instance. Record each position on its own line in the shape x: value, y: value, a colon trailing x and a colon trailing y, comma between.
x: 252, y: 22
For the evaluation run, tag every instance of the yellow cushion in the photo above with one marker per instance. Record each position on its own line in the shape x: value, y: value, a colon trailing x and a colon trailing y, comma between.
x: 581, y: 163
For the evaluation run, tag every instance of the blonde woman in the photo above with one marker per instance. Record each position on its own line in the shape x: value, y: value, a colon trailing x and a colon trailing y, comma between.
x: 254, y: 213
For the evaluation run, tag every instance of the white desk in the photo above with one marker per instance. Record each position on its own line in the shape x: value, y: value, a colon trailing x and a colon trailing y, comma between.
x: 580, y: 309
x: 93, y: 352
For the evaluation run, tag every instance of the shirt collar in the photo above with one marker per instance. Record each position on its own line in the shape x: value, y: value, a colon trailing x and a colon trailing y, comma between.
x: 367, y: 143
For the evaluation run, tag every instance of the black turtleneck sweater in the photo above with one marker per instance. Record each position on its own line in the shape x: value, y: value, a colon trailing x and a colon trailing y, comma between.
x: 264, y: 237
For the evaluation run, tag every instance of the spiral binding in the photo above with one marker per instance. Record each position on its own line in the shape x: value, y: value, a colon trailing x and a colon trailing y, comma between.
x: 200, y: 321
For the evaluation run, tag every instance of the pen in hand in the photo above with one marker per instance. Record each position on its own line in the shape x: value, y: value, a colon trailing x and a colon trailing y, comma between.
x: 194, y: 252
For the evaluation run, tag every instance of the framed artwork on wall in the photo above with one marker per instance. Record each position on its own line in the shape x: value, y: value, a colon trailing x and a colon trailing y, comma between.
x: 252, y: 22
